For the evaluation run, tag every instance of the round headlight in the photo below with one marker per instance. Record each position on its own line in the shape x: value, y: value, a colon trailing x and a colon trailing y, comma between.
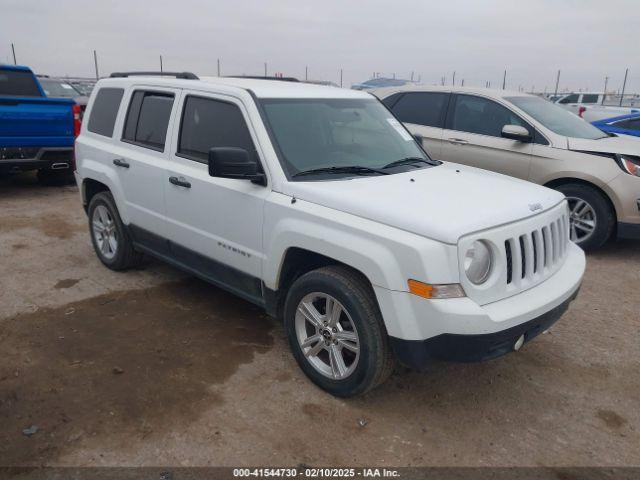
x: 477, y: 262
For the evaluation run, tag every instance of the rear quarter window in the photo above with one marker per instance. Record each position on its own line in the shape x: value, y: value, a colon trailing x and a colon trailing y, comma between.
x: 104, y: 111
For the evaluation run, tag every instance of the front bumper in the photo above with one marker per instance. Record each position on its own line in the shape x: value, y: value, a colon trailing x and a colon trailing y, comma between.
x: 444, y: 328
x: 474, y: 348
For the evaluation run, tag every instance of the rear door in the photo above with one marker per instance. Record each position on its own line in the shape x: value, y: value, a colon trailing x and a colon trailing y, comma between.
x: 423, y: 114
x: 473, y: 136
x: 215, y: 224
x: 142, y: 157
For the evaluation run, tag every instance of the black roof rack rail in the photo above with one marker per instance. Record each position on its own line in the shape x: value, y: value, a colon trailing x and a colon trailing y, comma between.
x: 183, y: 75
x: 261, y: 77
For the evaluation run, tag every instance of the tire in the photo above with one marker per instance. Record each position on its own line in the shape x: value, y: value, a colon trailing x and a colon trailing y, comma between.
x: 55, y: 177
x: 360, y: 315
x: 120, y: 255
x: 582, y: 198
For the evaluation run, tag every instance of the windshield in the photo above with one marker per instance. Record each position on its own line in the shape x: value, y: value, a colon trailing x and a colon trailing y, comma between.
x: 325, y: 133
x: 58, y: 89
x: 556, y: 118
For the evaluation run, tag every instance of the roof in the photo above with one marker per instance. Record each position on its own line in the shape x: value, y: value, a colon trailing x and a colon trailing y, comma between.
x: 260, y: 88
x: 487, y: 92
x: 20, y: 68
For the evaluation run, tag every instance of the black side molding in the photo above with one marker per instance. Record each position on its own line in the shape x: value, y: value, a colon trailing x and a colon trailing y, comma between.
x: 181, y: 75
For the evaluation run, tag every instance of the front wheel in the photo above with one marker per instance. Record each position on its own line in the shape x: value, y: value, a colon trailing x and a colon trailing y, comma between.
x: 336, y: 332
x: 591, y: 219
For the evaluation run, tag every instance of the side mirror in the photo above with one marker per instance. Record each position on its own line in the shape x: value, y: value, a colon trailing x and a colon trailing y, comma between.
x: 231, y: 162
x: 516, y: 132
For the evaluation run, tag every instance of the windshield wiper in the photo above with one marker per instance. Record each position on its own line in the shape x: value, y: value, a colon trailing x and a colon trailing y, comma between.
x: 410, y: 161
x: 357, y: 169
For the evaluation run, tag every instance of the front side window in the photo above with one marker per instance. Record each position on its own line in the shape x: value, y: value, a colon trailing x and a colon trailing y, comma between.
x: 556, y: 118
x: 573, y: 98
x: 148, y: 119
x: 105, y: 110
x: 208, y: 123
x: 422, y: 108
x: 333, y: 133
x: 482, y: 116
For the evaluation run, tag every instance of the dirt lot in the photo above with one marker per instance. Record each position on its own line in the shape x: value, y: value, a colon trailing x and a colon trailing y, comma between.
x: 152, y: 367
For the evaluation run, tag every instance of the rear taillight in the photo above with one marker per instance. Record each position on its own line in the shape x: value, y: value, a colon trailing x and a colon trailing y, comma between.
x: 77, y: 122
x: 581, y: 110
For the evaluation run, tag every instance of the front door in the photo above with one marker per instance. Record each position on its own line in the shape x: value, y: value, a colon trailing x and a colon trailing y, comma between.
x: 215, y: 224
x: 473, y: 136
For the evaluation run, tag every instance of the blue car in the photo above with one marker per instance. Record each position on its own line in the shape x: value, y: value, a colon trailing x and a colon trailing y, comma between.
x: 380, y: 82
x: 624, y: 124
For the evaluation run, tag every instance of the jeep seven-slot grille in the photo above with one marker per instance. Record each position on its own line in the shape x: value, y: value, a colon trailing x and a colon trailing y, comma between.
x: 533, y: 252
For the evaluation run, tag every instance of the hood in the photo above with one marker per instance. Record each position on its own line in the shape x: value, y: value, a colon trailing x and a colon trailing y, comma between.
x: 442, y: 203
x: 624, y: 145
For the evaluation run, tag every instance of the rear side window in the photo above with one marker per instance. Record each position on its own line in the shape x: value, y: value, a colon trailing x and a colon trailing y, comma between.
x: 16, y: 83
x: 208, y: 123
x: 590, y: 98
x: 148, y: 119
x: 105, y: 110
x: 422, y: 108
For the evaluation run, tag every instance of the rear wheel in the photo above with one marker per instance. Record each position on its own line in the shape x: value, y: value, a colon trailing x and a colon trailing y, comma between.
x: 591, y: 219
x: 336, y: 331
x: 108, y: 235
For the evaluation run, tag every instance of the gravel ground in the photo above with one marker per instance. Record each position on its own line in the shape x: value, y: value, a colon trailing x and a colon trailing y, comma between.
x: 153, y: 367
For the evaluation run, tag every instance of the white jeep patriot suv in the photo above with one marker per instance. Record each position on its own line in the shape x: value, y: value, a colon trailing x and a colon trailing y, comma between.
x: 318, y: 205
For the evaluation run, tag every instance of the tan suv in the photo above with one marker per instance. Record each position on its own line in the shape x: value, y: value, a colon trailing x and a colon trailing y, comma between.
x: 528, y: 137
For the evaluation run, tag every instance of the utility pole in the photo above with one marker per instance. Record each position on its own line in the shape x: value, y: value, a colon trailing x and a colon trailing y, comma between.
x: 161, y: 64
x: 218, y: 67
x: 624, y: 85
x: 265, y: 69
x: 453, y: 81
x: 306, y: 73
x: 606, y: 81
x: 557, y: 83
x: 13, y: 50
x: 504, y: 80
x: 462, y: 83
x: 340, y: 78
x: 95, y: 62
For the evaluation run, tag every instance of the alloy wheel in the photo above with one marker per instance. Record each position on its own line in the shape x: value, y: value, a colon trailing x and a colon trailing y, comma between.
x: 582, y: 219
x: 104, y: 232
x: 327, y: 335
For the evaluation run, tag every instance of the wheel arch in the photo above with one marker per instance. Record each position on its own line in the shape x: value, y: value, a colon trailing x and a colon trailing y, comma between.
x: 90, y: 188
x: 296, y: 262
x: 568, y: 180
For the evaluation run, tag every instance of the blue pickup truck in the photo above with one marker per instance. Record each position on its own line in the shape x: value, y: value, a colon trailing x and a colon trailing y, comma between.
x: 36, y: 132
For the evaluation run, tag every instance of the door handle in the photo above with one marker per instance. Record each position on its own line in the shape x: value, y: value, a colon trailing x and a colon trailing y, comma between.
x: 180, y: 182
x: 121, y: 162
x: 457, y: 141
